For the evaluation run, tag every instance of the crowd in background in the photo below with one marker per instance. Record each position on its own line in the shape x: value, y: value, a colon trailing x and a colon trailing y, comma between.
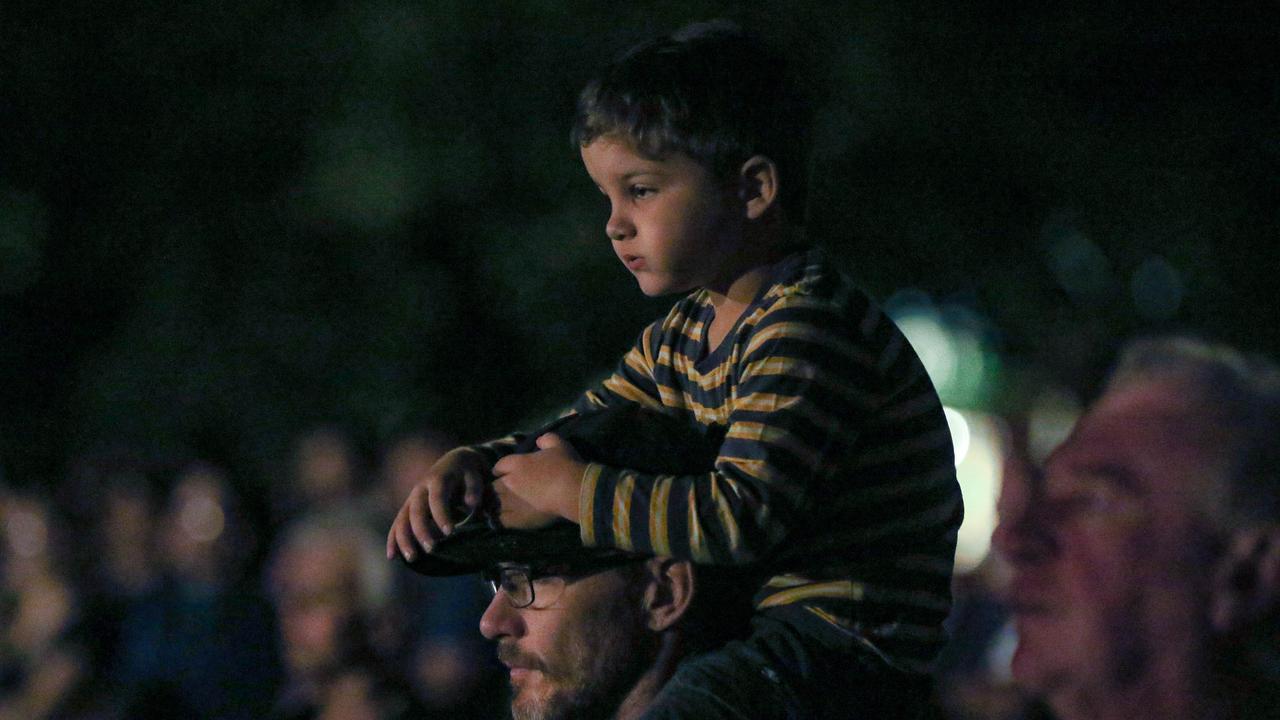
x: 136, y: 591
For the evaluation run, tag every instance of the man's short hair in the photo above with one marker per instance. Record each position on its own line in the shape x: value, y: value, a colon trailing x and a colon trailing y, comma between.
x: 712, y: 91
x: 1240, y: 395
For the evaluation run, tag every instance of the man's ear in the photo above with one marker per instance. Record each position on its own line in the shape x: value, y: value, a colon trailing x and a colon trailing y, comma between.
x: 759, y: 188
x: 1246, y: 584
x: 671, y: 588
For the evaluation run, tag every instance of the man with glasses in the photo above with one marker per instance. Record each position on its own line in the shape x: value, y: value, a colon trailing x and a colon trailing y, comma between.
x: 595, y: 632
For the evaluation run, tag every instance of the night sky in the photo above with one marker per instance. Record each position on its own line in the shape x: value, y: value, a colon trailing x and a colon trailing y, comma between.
x: 221, y: 223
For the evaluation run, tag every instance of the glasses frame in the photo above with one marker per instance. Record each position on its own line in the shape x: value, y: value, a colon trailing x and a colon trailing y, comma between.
x: 525, y: 576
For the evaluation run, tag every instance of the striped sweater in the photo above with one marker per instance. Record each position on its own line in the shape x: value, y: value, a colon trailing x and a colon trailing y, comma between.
x: 836, y: 473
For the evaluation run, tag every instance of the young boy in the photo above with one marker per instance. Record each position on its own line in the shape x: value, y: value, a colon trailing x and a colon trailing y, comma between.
x: 835, y: 476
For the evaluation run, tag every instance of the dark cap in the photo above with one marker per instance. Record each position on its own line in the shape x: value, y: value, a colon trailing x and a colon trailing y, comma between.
x: 628, y: 436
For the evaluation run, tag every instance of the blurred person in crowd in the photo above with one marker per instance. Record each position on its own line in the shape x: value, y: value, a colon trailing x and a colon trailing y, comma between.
x: 127, y: 566
x: 448, y: 664
x: 325, y: 474
x: 1146, y: 557
x: 45, y: 668
x: 333, y: 596
x: 203, y: 639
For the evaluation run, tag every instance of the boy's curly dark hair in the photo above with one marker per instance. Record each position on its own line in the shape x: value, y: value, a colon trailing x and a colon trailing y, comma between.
x: 711, y: 91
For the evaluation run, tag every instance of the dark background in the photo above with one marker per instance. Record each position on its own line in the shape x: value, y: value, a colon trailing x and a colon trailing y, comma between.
x: 221, y: 223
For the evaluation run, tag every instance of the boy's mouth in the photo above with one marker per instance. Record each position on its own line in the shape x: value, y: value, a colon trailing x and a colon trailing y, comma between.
x: 633, y: 262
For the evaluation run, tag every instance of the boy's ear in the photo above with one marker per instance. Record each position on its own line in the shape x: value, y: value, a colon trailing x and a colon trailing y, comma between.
x: 1246, y: 583
x: 759, y: 186
x: 670, y: 591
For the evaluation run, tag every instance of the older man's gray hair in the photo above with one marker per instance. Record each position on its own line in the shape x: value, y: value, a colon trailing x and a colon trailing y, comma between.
x: 1240, y: 397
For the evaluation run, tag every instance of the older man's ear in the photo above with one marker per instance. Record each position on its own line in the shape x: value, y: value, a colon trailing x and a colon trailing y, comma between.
x: 669, y: 592
x: 1246, y: 585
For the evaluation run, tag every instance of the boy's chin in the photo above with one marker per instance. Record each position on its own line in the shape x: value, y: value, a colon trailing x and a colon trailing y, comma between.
x: 653, y: 287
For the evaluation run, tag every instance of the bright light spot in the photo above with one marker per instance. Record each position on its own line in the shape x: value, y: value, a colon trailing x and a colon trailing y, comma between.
x: 952, y: 342
x: 979, y: 474
x: 1051, y: 417
x: 27, y: 533
x: 1157, y: 289
x: 959, y: 433
x: 201, y: 519
x: 933, y: 344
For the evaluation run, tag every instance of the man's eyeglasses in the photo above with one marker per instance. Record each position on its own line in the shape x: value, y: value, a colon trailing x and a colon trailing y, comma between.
x: 519, y: 582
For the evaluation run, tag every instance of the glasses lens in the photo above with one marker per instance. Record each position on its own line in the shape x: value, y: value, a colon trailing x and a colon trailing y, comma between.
x: 514, y: 583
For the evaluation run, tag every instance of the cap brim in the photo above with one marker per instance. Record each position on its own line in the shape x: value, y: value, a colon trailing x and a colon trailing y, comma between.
x: 475, y: 545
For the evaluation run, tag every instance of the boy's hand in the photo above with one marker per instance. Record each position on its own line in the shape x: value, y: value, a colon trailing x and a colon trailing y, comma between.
x: 453, y: 488
x: 515, y: 512
x: 547, y: 480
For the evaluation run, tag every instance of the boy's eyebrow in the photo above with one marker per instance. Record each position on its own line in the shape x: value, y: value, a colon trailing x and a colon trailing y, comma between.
x: 637, y: 173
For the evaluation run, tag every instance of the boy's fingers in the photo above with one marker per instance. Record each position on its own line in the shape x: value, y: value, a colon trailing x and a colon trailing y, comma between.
x: 399, y: 538
x: 437, y: 509
x: 420, y: 521
x: 392, y: 546
x: 547, y: 440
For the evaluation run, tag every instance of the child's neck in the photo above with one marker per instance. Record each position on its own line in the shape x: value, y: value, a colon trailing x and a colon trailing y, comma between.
x: 735, y: 292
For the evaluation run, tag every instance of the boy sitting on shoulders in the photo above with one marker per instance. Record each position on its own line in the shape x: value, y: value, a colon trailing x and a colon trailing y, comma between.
x: 835, y: 476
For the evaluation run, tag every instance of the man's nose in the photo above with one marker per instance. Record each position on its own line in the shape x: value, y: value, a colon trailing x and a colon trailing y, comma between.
x: 500, y: 619
x: 1023, y: 534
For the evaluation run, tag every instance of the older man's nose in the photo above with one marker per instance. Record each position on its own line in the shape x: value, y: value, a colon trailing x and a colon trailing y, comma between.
x: 1023, y: 533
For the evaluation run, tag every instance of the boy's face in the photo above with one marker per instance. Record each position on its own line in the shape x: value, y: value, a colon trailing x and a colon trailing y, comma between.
x: 672, y: 223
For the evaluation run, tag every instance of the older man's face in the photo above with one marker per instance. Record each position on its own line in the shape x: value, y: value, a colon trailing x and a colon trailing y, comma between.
x: 1111, y: 548
x: 576, y: 656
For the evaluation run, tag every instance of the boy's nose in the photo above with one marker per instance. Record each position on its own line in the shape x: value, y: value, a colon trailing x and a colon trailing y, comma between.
x: 618, y: 227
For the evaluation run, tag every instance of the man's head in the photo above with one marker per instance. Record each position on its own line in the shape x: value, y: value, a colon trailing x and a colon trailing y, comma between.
x: 1151, y: 536
x: 589, y: 631
x: 585, y: 641
x: 699, y: 140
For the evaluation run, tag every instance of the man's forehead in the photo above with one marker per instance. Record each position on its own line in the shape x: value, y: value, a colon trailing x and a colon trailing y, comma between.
x: 1137, y: 434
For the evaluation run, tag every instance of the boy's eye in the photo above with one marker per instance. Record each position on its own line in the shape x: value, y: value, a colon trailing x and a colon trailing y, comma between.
x: 641, y: 191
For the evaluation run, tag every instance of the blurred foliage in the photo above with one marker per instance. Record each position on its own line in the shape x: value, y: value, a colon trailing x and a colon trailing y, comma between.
x: 222, y: 222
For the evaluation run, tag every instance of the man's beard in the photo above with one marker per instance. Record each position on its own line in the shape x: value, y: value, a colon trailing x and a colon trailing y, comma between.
x: 595, y: 669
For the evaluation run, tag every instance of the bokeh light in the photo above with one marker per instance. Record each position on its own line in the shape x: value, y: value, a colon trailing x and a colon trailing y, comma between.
x: 1157, y: 289
x: 954, y: 344
x: 1051, y: 416
x: 980, y: 447
x: 1077, y: 263
x: 26, y: 532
